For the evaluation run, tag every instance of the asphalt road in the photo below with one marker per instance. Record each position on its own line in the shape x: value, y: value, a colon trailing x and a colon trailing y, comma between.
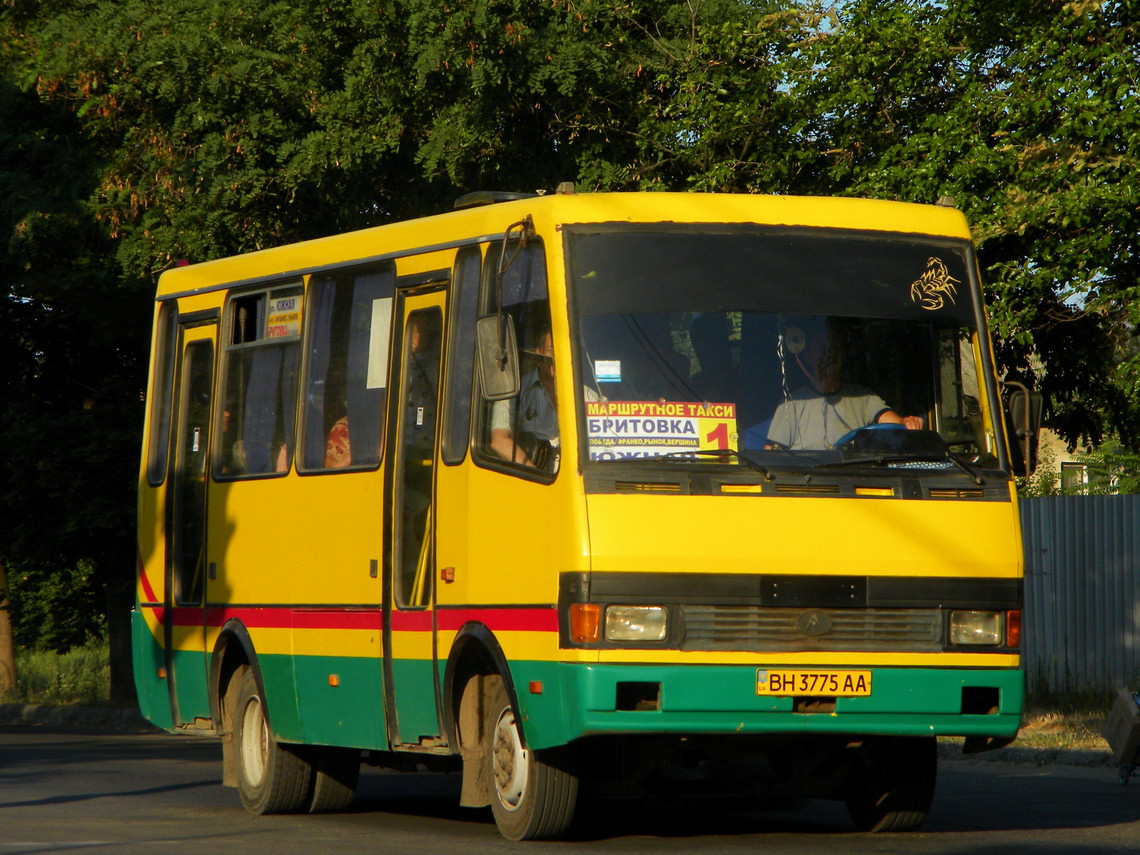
x: 65, y: 791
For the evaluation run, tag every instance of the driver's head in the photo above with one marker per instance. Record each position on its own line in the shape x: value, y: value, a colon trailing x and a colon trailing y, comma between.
x: 421, y: 332
x: 822, y: 362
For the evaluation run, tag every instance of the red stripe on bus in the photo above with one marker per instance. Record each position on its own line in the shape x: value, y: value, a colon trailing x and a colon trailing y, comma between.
x: 148, y: 591
x: 284, y: 617
x: 277, y: 617
x: 502, y: 620
x: 419, y: 621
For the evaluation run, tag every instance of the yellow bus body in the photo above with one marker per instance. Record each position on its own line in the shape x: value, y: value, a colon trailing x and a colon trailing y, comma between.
x: 297, y: 575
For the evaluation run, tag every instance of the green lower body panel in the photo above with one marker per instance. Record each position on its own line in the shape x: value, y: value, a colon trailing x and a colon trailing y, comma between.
x: 154, y: 676
x: 189, y: 670
x: 349, y: 713
x: 413, y: 684
x: 585, y: 700
x: 149, y: 663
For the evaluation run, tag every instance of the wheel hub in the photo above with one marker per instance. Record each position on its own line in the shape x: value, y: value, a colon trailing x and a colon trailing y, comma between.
x: 254, y: 742
x: 509, y: 762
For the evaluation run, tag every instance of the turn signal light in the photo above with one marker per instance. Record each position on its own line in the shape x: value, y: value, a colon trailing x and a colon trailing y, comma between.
x: 1013, y: 628
x: 585, y: 622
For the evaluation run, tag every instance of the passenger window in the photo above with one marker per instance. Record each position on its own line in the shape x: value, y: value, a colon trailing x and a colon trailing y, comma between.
x: 347, y: 370
x: 161, y: 393
x: 461, y: 356
x: 522, y: 431
x: 260, y: 387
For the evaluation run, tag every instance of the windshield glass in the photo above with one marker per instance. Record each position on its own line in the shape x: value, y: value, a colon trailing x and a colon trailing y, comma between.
x: 782, y: 344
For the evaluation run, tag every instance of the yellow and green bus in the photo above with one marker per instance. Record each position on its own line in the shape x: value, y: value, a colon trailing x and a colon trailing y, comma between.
x: 616, y: 495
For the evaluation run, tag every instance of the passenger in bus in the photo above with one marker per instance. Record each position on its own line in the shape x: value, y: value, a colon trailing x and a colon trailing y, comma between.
x: 232, y: 448
x: 657, y: 372
x: 534, y: 414
x: 716, y: 381
x: 820, y: 412
x: 338, y: 449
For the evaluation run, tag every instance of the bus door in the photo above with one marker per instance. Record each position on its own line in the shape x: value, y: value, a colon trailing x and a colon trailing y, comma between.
x: 410, y: 670
x: 183, y: 623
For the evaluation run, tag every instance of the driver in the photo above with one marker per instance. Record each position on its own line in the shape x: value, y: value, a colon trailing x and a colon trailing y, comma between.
x: 817, y: 414
x: 534, y: 412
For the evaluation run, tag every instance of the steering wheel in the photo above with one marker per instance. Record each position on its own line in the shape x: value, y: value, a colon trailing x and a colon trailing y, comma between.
x: 850, y: 435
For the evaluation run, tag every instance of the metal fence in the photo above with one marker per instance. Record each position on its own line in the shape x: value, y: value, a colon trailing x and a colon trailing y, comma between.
x: 1082, y: 592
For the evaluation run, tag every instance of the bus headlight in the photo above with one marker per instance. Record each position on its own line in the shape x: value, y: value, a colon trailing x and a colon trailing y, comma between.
x: 636, y: 623
x: 975, y: 627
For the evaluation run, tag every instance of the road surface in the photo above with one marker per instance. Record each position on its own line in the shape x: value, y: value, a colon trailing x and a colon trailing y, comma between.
x: 104, y: 792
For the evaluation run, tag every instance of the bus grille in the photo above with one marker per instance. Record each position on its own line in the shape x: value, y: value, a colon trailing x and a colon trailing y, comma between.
x: 788, y: 630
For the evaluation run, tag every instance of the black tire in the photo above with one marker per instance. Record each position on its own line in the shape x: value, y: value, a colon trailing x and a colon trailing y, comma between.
x: 892, y: 783
x: 336, y: 772
x: 272, y: 778
x: 530, y: 799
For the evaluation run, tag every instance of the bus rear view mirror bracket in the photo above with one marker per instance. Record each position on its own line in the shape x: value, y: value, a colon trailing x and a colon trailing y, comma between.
x: 498, y: 357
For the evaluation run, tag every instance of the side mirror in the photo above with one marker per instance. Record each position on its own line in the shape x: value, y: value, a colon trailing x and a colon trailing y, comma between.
x: 497, y: 356
x: 1023, y: 421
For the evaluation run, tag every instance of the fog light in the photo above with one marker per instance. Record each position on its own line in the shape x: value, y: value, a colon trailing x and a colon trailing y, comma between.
x: 636, y: 623
x: 975, y: 628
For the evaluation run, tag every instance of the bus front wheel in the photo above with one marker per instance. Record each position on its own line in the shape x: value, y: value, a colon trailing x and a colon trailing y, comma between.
x: 531, y: 799
x: 891, y: 784
x: 272, y: 778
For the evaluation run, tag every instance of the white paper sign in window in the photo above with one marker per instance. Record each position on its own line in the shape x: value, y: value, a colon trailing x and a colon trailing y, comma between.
x: 608, y: 370
x: 378, y: 343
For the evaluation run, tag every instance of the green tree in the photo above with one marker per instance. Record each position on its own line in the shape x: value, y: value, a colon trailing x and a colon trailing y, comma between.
x: 72, y: 342
x: 136, y: 134
x: 1028, y: 114
x: 233, y: 126
x: 1111, y: 470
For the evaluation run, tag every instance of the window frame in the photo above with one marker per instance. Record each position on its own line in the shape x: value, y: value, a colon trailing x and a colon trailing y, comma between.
x: 482, y: 412
x: 228, y: 347
x: 384, y: 268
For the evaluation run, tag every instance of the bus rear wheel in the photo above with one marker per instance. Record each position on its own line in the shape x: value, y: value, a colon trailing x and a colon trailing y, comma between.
x: 530, y: 799
x: 891, y: 785
x: 336, y: 772
x: 272, y: 778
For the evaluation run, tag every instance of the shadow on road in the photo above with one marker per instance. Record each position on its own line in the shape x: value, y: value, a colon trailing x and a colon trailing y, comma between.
x: 969, y: 802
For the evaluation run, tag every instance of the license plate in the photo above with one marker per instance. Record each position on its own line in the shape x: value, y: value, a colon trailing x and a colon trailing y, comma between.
x: 827, y: 684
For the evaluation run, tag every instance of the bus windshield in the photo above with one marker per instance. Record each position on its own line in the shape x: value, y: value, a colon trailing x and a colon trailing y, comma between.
x: 788, y: 344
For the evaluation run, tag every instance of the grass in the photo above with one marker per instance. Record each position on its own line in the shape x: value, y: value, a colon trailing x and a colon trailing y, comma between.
x: 80, y: 676
x: 1065, y: 721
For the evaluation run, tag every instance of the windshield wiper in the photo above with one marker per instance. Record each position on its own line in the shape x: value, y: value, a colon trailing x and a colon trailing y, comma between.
x: 708, y: 452
x: 887, y: 459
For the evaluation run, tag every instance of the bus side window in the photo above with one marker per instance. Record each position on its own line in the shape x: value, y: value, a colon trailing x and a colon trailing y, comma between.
x: 260, y: 385
x: 461, y: 355
x: 522, y: 431
x: 347, y: 368
x: 162, y: 391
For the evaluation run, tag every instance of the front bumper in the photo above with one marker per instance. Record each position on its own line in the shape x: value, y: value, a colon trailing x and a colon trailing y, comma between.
x: 580, y: 700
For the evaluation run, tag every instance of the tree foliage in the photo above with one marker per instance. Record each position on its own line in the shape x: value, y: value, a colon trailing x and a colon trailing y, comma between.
x: 70, y: 391
x: 135, y: 134
x: 1028, y: 114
